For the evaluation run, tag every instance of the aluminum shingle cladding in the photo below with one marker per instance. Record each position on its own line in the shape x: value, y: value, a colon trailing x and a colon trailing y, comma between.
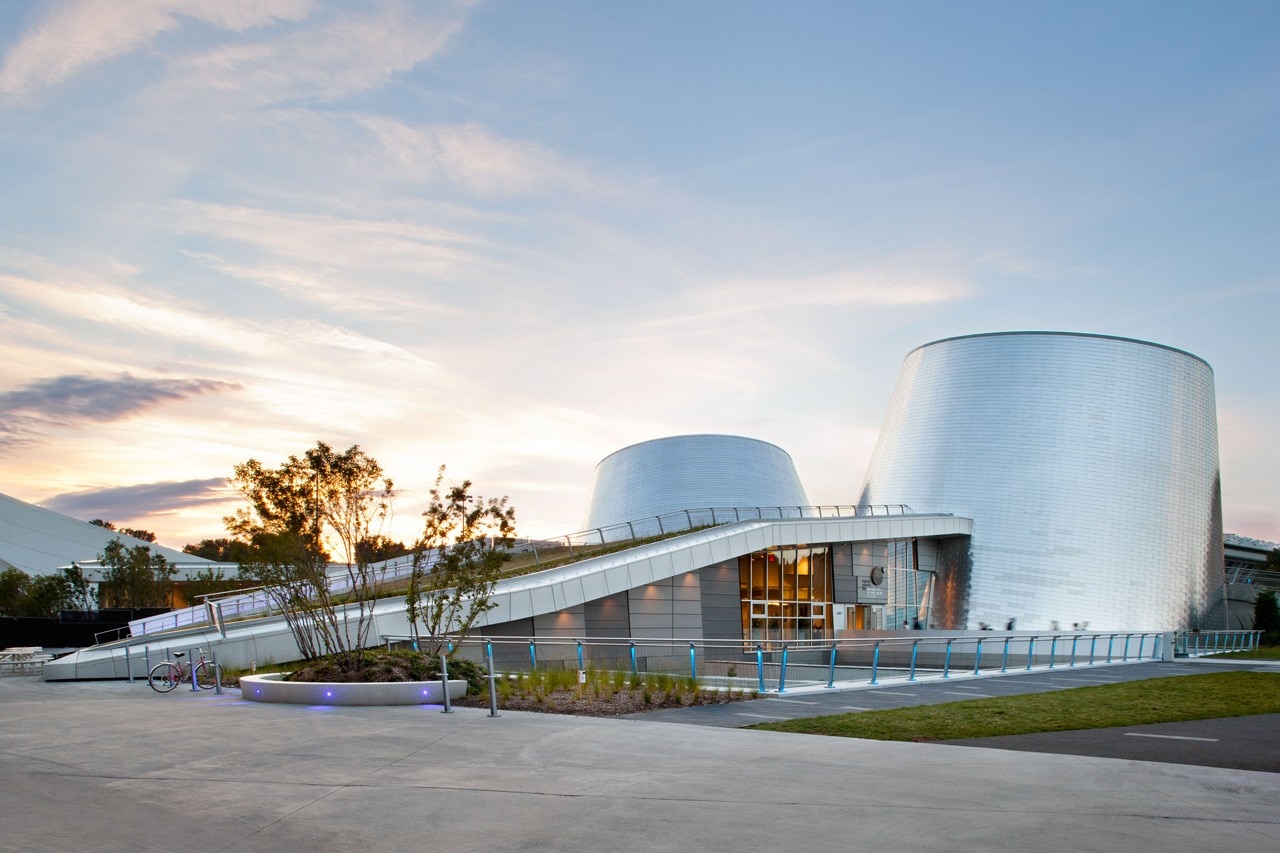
x: 1088, y: 463
x: 690, y: 472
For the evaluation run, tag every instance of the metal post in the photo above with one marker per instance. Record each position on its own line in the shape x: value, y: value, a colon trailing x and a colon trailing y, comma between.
x: 1073, y: 649
x: 1053, y: 650
x: 1004, y: 661
x: 915, y: 647
x: 782, y: 671
x: 444, y: 682
x: 759, y: 664
x: 146, y: 659
x: 493, y: 677
x: 1093, y: 642
x: 946, y: 662
x: 875, y: 662
x: 533, y: 655
x: 634, y: 671
x: 580, y: 666
x: 693, y: 662
x: 217, y: 673
x: 1155, y: 646
x: 191, y: 663
x: 831, y: 674
x: 1110, y: 642
x: 1031, y: 650
x: 977, y: 657
x: 128, y: 663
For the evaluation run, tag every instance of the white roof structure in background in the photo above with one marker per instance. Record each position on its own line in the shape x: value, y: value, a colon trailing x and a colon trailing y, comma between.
x: 40, y: 541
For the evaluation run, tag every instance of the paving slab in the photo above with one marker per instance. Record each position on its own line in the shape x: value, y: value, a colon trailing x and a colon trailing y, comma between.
x: 114, y: 766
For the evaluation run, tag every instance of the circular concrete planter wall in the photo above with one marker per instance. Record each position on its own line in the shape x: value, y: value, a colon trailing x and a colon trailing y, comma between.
x: 270, y: 688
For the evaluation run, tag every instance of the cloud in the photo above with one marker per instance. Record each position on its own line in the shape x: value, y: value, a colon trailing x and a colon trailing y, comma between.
x: 81, y: 34
x: 347, y: 54
x: 121, y: 503
x: 470, y: 156
x: 77, y: 399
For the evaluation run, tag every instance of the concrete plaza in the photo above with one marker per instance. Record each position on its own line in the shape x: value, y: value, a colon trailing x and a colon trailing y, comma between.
x: 115, y: 766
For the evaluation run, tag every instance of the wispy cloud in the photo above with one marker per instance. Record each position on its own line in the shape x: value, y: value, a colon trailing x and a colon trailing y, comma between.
x: 474, y: 158
x: 78, y: 35
x: 347, y: 54
x: 123, y: 503
x: 72, y: 401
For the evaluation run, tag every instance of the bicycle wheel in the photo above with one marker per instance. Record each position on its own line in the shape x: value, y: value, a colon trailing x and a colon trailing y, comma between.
x: 206, y: 675
x: 164, y: 677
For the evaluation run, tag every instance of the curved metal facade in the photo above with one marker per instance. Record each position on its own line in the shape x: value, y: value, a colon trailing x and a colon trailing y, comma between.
x: 1088, y: 463
x: 691, y: 471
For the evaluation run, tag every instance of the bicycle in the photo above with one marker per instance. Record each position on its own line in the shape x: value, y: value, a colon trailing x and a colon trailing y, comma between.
x: 168, y: 674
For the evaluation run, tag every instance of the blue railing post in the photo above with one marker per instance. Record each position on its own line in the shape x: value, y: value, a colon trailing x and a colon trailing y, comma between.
x: 1093, y: 642
x: 693, y: 662
x: 1031, y: 650
x: 533, y: 655
x: 831, y: 674
x: 1125, y: 655
x: 760, y: 665
x: 580, y: 666
x: 977, y: 657
x: 1004, y: 661
x: 1053, y: 650
x: 1073, y: 649
x: 493, y: 688
x: 875, y: 662
x: 946, y: 661
x: 634, y: 671
x: 914, y: 648
x: 782, y: 671
x: 1110, y: 642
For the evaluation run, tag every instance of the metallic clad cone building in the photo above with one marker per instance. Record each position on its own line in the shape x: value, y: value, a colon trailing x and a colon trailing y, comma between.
x: 691, y: 471
x: 1089, y: 465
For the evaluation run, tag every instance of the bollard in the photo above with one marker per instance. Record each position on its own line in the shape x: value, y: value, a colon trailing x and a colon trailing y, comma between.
x: 759, y: 665
x: 217, y: 673
x: 493, y: 690
x: 444, y: 682
x: 782, y: 671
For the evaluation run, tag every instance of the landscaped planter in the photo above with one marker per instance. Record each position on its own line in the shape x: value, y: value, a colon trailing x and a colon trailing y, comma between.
x: 271, y: 688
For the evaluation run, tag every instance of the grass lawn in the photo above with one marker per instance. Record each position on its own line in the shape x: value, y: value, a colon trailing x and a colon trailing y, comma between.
x: 1159, y: 700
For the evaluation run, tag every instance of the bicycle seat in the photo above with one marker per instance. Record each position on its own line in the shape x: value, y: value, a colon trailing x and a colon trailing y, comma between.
x: 180, y: 655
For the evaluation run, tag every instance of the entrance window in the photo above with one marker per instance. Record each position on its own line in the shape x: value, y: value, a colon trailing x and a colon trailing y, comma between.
x: 786, y: 594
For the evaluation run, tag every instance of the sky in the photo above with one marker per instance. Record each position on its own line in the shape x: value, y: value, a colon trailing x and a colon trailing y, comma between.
x: 513, y: 237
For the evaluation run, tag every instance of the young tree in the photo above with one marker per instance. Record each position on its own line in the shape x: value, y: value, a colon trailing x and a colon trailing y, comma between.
x: 320, y: 501
x: 1266, y: 613
x: 83, y: 595
x: 47, y: 596
x: 134, y: 577
x: 13, y: 591
x: 456, y: 562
